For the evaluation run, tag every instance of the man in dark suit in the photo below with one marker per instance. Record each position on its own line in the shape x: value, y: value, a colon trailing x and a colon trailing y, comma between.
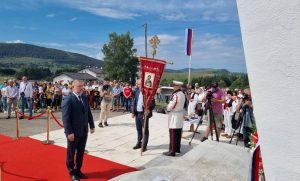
x: 77, y: 116
x: 138, y: 114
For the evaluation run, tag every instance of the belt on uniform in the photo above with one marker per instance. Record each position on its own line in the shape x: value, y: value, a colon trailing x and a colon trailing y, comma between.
x: 140, y: 112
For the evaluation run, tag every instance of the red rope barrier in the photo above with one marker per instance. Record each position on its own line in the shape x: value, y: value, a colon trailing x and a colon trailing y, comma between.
x: 58, y: 123
x: 32, y: 117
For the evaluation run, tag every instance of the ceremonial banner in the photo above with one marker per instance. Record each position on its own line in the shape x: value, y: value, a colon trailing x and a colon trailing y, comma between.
x: 151, y: 73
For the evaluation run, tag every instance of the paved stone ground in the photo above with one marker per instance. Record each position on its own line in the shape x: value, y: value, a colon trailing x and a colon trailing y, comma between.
x: 115, y: 142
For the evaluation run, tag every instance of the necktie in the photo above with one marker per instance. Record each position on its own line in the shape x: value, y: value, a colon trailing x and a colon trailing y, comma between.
x: 80, y: 99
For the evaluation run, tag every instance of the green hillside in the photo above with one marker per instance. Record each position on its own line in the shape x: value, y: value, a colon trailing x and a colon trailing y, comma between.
x: 17, y: 55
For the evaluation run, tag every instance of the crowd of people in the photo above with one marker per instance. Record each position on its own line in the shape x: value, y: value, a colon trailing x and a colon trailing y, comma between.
x: 37, y: 96
x: 227, y: 106
x: 114, y: 95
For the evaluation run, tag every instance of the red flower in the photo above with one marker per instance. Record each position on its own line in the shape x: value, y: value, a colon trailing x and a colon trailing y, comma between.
x: 255, y: 138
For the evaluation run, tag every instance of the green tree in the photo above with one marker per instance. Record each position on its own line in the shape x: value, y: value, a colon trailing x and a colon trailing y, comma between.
x: 119, y: 60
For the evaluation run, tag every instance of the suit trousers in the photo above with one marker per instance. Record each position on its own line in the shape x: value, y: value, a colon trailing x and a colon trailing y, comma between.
x: 139, y: 121
x: 175, y: 140
x: 77, y: 145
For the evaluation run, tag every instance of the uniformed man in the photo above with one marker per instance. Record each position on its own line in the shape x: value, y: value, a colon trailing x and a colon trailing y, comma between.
x: 176, y: 113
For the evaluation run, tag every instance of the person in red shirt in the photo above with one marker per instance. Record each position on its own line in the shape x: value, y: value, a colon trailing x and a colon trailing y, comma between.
x: 127, y: 92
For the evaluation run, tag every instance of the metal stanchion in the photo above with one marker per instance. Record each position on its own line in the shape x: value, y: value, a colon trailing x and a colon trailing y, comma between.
x: 48, y: 141
x: 17, y: 123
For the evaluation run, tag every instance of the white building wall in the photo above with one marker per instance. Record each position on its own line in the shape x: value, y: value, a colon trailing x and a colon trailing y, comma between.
x: 271, y: 40
x: 64, y: 78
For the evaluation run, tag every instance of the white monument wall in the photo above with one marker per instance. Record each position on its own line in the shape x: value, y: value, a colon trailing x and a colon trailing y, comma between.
x: 271, y: 39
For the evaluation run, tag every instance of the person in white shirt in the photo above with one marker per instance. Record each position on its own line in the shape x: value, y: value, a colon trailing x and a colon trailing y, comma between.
x: 66, y: 90
x: 4, y: 97
x: 192, y: 102
x: 26, y: 92
x: 12, y: 93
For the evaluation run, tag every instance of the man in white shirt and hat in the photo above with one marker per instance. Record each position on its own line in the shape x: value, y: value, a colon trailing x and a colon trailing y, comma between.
x: 176, y: 114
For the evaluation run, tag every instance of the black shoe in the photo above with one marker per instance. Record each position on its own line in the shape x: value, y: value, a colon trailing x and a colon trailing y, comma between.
x: 178, y: 151
x: 145, y: 149
x: 137, y: 147
x: 81, y: 175
x: 8, y: 117
x: 21, y: 117
x: 105, y: 123
x: 203, y: 139
x: 75, y: 178
x: 100, y: 125
x: 168, y: 154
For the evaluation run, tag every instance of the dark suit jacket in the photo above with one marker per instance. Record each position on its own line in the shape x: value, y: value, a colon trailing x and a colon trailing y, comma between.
x: 135, y: 101
x: 75, y: 116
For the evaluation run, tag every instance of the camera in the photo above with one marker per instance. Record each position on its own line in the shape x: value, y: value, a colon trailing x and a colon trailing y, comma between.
x: 209, y: 95
x: 247, y: 98
x: 22, y: 94
x: 105, y: 87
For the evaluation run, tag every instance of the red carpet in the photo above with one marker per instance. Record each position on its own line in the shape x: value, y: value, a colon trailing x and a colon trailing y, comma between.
x: 27, y: 159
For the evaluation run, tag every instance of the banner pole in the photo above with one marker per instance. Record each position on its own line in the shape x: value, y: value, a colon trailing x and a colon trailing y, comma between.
x: 144, y: 128
x: 189, y: 78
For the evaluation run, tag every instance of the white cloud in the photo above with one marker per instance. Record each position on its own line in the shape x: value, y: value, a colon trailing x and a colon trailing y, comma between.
x: 109, y: 12
x: 172, y: 10
x: 73, y: 19
x: 15, y: 41
x: 99, y: 55
x: 208, y: 50
x: 52, y: 15
x: 89, y: 45
x: 165, y: 39
x: 50, y: 44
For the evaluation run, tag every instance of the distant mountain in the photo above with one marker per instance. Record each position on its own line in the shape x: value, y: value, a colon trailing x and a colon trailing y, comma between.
x: 15, y: 55
x: 202, y: 70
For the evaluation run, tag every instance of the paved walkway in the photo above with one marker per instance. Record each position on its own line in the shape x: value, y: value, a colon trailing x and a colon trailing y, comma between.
x: 114, y: 142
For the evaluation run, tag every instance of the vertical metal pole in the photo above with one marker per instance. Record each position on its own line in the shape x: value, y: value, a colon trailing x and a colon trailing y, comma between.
x: 189, y: 79
x: 48, y: 124
x: 48, y: 141
x: 17, y: 124
x: 146, y: 29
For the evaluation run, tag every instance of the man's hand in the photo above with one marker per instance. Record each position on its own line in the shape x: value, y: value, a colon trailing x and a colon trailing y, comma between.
x: 248, y: 103
x: 71, y: 137
x: 214, y: 100
x: 92, y: 130
x: 132, y: 115
x: 147, y: 112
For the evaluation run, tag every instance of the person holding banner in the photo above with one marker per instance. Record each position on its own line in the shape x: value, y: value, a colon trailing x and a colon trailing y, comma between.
x: 138, y: 114
x: 176, y: 113
x: 77, y: 119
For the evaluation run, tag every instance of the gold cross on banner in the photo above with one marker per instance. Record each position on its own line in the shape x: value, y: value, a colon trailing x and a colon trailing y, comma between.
x: 154, y: 41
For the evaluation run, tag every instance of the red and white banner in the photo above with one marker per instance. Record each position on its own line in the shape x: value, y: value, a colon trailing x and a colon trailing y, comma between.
x: 151, y: 73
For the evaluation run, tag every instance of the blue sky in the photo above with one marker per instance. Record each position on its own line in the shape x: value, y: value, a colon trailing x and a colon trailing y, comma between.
x: 83, y: 26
